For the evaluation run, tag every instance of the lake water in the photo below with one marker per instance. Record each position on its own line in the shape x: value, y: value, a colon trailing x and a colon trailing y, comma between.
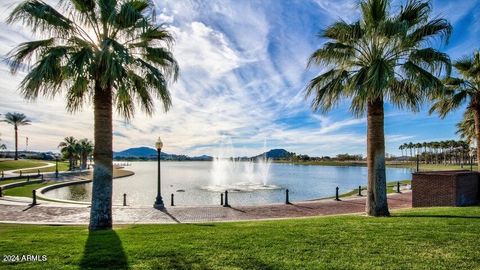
x: 305, y: 182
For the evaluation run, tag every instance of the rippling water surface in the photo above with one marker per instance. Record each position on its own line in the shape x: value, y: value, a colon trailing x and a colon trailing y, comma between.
x: 188, y: 182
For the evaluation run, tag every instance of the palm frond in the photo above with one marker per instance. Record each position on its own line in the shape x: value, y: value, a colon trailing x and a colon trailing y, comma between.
x: 41, y: 18
x: 22, y: 54
x: 435, y: 28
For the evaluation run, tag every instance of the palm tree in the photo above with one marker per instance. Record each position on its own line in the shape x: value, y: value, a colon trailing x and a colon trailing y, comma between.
x: 466, y: 127
x: 411, y: 146
x: 382, y: 57
x: 17, y: 120
x: 108, y: 52
x: 465, y: 89
x: 69, y: 149
x: 2, y: 146
x: 85, y: 148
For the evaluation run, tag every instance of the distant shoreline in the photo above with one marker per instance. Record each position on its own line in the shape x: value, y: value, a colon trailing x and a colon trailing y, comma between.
x: 389, y: 164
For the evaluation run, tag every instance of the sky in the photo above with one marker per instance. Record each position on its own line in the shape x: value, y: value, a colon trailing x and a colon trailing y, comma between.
x: 243, y: 72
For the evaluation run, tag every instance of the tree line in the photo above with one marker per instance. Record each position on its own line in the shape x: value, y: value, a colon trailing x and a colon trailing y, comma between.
x: 439, y: 152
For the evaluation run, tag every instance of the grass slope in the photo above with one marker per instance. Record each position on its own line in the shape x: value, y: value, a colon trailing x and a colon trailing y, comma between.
x: 25, y: 191
x: 5, y: 182
x: 62, y: 166
x: 6, y: 165
x: 437, y: 238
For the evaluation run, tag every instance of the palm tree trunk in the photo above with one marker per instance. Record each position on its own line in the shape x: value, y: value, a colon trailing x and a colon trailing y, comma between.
x: 16, y: 142
x: 476, y: 117
x: 377, y: 190
x: 101, y: 211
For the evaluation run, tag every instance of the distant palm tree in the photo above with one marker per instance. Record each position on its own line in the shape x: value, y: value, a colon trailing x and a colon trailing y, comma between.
x: 17, y: 120
x: 112, y: 53
x: 411, y: 146
x: 69, y: 149
x: 382, y: 57
x: 465, y: 89
x: 85, y: 148
x: 2, y: 146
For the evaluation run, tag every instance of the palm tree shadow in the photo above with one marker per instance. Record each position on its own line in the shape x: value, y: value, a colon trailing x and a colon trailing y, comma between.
x: 103, y: 250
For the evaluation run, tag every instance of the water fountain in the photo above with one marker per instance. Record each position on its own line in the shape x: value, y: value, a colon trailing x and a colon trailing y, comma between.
x: 239, y: 175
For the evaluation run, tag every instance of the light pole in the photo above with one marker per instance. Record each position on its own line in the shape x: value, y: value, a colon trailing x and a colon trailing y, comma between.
x: 56, y: 167
x: 159, y: 202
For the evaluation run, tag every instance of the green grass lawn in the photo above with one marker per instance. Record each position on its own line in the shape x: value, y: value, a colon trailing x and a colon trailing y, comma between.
x: 5, y: 182
x: 436, y: 238
x: 6, y: 165
x: 25, y: 191
x: 62, y: 166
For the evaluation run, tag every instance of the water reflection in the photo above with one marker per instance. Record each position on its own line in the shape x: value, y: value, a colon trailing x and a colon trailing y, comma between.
x: 188, y: 179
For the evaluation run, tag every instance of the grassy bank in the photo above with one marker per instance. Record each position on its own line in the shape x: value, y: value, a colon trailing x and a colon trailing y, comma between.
x: 62, y: 166
x: 437, y: 238
x: 410, y: 165
x: 5, y: 182
x: 26, y: 191
x: 6, y: 165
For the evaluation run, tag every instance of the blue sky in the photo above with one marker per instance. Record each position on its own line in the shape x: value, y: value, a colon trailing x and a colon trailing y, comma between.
x: 242, y: 75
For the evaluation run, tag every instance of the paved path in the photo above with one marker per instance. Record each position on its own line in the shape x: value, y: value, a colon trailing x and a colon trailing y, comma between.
x: 54, y: 213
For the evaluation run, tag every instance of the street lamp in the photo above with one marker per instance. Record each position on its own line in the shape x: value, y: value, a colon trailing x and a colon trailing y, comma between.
x: 56, y: 167
x: 159, y: 202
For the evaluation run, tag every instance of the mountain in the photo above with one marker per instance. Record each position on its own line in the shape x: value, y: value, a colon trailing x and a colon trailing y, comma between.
x: 137, y: 152
x: 147, y: 153
x: 276, y: 154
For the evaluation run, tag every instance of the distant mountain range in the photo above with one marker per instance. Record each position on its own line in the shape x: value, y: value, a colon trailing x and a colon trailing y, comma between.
x: 147, y: 153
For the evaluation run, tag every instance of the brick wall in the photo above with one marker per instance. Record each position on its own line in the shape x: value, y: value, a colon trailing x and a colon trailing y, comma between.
x: 445, y: 188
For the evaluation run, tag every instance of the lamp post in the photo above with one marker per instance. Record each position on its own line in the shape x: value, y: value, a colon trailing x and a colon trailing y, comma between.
x: 159, y: 202
x: 56, y: 167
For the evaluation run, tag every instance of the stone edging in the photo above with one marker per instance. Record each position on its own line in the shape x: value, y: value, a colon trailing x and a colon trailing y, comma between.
x: 20, y: 184
x: 42, y: 191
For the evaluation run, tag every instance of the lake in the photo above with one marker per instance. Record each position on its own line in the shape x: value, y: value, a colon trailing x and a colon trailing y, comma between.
x: 187, y: 180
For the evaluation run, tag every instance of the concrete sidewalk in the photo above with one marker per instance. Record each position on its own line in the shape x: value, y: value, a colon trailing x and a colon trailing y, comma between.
x: 54, y: 213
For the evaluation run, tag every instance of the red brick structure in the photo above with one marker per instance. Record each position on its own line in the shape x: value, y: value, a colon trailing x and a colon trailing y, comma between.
x: 445, y: 188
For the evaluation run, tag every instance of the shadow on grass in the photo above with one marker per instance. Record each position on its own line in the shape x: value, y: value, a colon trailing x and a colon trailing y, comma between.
x: 103, y: 250
x: 433, y: 216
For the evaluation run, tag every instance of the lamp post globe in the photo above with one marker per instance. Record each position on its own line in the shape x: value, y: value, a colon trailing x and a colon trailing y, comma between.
x: 159, y: 201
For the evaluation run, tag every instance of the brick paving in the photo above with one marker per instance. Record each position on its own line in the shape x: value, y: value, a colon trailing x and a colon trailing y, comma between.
x: 55, y: 213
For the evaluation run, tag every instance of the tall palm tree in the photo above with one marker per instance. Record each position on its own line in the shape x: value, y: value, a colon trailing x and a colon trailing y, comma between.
x: 465, y: 89
x: 466, y: 127
x: 108, y: 52
x: 16, y: 119
x: 69, y: 149
x: 382, y: 57
x: 85, y: 148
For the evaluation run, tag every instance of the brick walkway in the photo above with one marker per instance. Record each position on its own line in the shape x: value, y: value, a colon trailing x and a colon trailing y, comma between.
x: 53, y: 213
